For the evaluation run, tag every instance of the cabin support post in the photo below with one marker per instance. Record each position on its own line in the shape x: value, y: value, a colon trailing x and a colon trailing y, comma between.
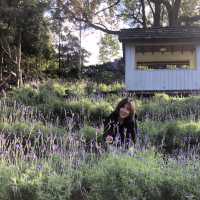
x: 130, y: 64
x: 198, y: 57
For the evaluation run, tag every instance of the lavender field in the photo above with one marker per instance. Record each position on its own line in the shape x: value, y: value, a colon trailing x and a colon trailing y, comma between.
x: 50, y: 145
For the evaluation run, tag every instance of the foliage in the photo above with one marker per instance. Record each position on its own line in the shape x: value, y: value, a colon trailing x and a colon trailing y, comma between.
x: 62, y: 168
x: 171, y: 136
x: 25, y: 95
x: 88, y: 133
x: 161, y: 97
x: 25, y: 32
x: 30, y: 129
x: 104, y: 73
x: 143, y: 176
x: 114, y: 88
x: 109, y: 48
x: 171, y: 109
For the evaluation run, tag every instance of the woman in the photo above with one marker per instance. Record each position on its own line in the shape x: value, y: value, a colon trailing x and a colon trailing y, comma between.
x: 120, y: 127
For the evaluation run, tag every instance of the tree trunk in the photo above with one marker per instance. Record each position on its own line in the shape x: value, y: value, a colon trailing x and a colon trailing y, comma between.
x: 173, y: 13
x: 80, y: 51
x: 143, y: 14
x: 157, y: 18
x: 19, y: 55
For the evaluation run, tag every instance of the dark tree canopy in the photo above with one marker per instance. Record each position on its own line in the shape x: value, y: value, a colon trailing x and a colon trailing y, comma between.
x: 27, y: 27
x: 139, y: 13
x: 23, y: 32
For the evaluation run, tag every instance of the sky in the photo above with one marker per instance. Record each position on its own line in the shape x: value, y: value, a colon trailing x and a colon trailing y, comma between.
x: 90, y: 40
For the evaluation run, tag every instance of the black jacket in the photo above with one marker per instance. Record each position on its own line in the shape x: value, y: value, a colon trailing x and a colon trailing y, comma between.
x: 126, y: 131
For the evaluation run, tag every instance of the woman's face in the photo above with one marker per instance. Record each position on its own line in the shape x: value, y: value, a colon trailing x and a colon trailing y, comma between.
x: 124, y: 111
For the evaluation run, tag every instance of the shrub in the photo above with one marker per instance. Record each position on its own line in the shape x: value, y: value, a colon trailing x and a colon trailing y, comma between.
x: 30, y: 129
x: 91, y: 88
x: 34, y: 182
x: 111, y: 88
x: 76, y: 88
x: 117, y: 87
x: 171, y: 109
x: 143, y: 176
x: 171, y: 135
x: 161, y: 97
x: 100, y: 110
x: 25, y: 95
x: 59, y: 89
x: 46, y: 94
x: 88, y: 133
x: 104, y: 88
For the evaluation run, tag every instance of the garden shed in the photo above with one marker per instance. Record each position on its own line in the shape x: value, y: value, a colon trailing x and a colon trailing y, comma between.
x: 162, y: 59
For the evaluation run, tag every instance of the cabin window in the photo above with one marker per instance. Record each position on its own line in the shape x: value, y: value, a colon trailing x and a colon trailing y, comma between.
x: 163, y: 65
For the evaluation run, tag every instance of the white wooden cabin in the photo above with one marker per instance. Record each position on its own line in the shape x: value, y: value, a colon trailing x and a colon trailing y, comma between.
x: 162, y: 59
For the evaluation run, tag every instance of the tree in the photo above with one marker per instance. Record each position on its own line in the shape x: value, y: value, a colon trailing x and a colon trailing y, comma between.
x: 71, y: 55
x: 161, y: 12
x: 26, y: 31
x: 94, y: 13
x: 109, y: 48
x: 142, y: 13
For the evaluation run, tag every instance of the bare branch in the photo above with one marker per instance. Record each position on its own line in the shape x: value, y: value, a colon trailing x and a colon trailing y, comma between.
x: 135, y: 18
x: 107, y: 8
x: 149, y: 3
x: 90, y: 24
x: 100, y: 27
x: 165, y: 2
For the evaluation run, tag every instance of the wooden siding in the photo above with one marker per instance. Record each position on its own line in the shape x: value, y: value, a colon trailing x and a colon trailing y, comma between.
x: 162, y: 79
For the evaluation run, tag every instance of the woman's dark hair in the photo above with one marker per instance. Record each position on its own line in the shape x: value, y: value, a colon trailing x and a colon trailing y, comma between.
x: 122, y: 103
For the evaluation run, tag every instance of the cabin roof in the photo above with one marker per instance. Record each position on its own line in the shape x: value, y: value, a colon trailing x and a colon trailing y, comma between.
x: 163, y: 34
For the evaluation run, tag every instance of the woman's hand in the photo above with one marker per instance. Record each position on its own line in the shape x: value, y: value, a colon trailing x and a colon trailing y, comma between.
x: 109, y: 139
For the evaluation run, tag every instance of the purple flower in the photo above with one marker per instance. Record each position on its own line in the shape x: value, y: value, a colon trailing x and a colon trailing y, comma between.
x: 98, y: 130
x: 39, y: 167
x: 18, y: 146
x: 55, y: 147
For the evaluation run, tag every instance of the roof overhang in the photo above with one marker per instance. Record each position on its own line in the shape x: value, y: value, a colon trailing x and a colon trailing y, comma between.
x: 164, y: 35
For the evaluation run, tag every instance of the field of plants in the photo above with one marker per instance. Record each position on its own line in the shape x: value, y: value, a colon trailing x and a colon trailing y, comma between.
x: 50, y: 132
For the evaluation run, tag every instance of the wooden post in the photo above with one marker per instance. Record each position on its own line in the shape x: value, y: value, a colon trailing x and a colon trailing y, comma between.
x: 130, y: 64
x: 198, y: 57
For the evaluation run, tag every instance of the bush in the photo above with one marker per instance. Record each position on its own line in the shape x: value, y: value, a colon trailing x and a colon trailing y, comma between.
x: 47, y: 94
x: 171, y: 135
x: 143, y: 176
x: 30, y: 129
x: 100, y: 110
x: 117, y: 87
x: 34, y: 182
x: 112, y: 177
x: 25, y: 95
x: 161, y: 98
x: 76, y: 88
x: 103, y: 88
x: 111, y: 88
x: 162, y: 108
x: 88, y: 133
